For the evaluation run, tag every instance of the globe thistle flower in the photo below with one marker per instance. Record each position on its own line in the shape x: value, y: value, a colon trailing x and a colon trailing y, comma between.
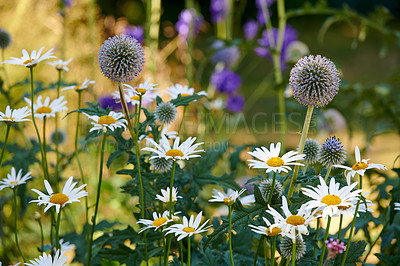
x: 165, y: 113
x: 286, y: 248
x: 314, y: 80
x: 5, y: 39
x: 161, y: 165
x: 121, y: 58
x: 13, y: 179
x: 59, y: 260
x: 136, y: 32
x: 265, y: 189
x: 62, y: 136
x: 311, y: 151
x: 219, y: 9
x: 30, y: 60
x: 250, y: 29
x: 226, y: 81
x: 332, y: 152
x: 235, y: 103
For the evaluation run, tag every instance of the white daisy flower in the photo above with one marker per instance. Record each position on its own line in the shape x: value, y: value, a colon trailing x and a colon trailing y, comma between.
x: 84, y: 85
x: 164, y: 131
x: 144, y: 87
x: 66, y: 246
x: 188, y: 227
x: 13, y: 179
x: 177, y: 89
x: 132, y: 94
x: 111, y: 121
x: 350, y: 209
x: 228, y: 198
x: 61, y: 64
x: 47, y: 260
x: 157, y: 222
x: 268, y: 231
x: 164, y: 197
x: 270, y: 160
x: 397, y: 206
x: 32, y: 60
x: 16, y: 115
x: 59, y: 200
x: 47, y: 109
x: 248, y: 200
x: 330, y: 200
x: 359, y: 167
x: 184, y: 151
x: 215, y: 105
x: 291, y: 222
x: 16, y: 264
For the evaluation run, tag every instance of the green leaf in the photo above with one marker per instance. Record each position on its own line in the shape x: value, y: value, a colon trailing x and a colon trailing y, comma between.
x: 186, y: 99
x: 353, y: 256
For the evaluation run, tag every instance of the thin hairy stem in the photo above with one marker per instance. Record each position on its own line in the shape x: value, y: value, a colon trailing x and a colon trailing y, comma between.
x: 321, y: 259
x: 5, y: 142
x: 15, y: 223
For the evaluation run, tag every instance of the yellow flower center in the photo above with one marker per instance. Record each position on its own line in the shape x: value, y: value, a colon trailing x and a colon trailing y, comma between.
x: 160, y: 221
x: 295, y: 220
x: 331, y: 200
x: 274, y: 232
x: 275, y: 162
x: 78, y: 88
x: 43, y: 110
x: 13, y: 182
x: 28, y: 62
x: 106, y: 120
x: 174, y: 153
x: 359, y: 166
x: 228, y: 200
x: 141, y: 91
x: 10, y: 118
x: 59, y: 198
x: 135, y: 98
x: 150, y: 135
x: 188, y: 229
x: 185, y: 94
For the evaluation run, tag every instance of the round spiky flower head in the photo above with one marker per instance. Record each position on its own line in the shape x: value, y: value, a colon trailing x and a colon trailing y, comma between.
x: 265, y: 188
x: 314, y: 80
x: 311, y: 151
x: 5, y: 39
x: 286, y: 248
x: 121, y: 58
x: 165, y: 112
x: 161, y: 165
x: 332, y: 152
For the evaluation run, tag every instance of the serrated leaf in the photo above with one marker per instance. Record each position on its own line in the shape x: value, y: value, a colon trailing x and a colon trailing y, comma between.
x: 186, y: 99
x: 355, y: 252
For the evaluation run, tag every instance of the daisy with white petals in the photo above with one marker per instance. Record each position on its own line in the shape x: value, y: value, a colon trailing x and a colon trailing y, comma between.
x: 164, y: 131
x: 188, y: 227
x: 82, y: 87
x: 268, y: 231
x: 183, y: 151
x: 157, y: 222
x: 47, y: 260
x: 111, y: 121
x: 359, y: 167
x: 61, y: 64
x: 47, y: 109
x: 177, y: 89
x: 59, y: 200
x: 397, y: 206
x: 16, y: 115
x: 228, y: 198
x: 292, y: 224
x: 66, y: 245
x: 164, y: 197
x: 330, y: 200
x: 132, y: 94
x: 32, y: 60
x: 13, y: 179
x: 270, y: 160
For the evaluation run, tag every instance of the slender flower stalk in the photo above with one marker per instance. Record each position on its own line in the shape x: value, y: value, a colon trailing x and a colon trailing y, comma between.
x: 272, y: 189
x: 181, y: 252
x: 90, y: 242
x: 45, y: 151
x: 188, y: 261
x: 56, y: 123
x: 303, y: 138
x: 15, y: 223
x: 328, y: 172
x: 230, y: 233
x: 171, y: 211
x: 294, y: 252
x: 321, y: 259
x: 340, y: 226
x: 5, y: 142
x: 316, y: 237
x: 39, y: 220
x: 273, y: 247
x: 58, y: 231
x: 376, y: 239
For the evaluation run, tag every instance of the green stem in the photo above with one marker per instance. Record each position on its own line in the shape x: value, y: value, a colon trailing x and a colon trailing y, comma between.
x: 258, y: 249
x: 56, y: 132
x: 188, y: 261
x: 376, y: 239
x: 272, y: 189
x: 321, y: 259
x: 15, y: 223
x: 266, y: 251
x: 229, y: 20
x: 126, y: 110
x: 41, y: 235
x: 45, y: 149
x: 58, y: 230
x: 4, y: 69
x: 36, y: 128
x: 230, y: 233
x: 103, y: 143
x: 351, y: 233
x: 316, y: 237
x: 171, y: 210
x: 301, y: 148
x: 181, y: 252
x: 273, y: 250
x: 5, y: 142
x: 294, y: 252
x: 183, y: 118
x: 328, y: 172
x: 340, y: 226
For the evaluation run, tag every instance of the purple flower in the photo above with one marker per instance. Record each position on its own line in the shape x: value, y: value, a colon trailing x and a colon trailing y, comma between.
x: 136, y: 32
x: 226, y: 81
x: 228, y: 55
x: 267, y: 3
x: 235, y: 103
x: 185, y: 18
x: 260, y: 16
x: 250, y: 29
x: 108, y: 101
x: 289, y: 36
x: 219, y: 9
